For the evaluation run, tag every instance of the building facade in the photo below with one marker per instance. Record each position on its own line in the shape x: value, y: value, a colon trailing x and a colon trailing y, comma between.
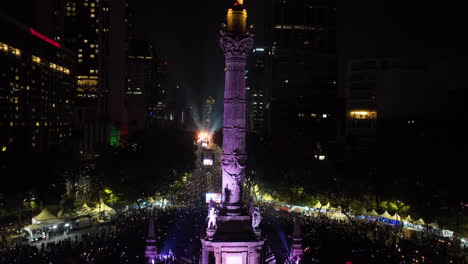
x: 97, y: 32
x: 144, y: 94
x: 36, y: 90
x: 302, y: 107
x: 255, y: 89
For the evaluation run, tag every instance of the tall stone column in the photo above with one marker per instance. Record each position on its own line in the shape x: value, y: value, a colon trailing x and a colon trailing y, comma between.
x: 236, y: 46
x: 235, y: 238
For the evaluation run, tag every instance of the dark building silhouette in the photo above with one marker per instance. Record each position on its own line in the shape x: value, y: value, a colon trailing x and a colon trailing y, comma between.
x: 36, y: 90
x: 97, y: 32
x: 301, y: 102
x: 146, y: 98
x: 255, y: 91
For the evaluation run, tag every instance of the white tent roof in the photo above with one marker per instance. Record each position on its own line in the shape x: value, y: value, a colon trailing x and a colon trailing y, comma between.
x: 102, y: 207
x: 326, y: 206
x: 85, y: 208
x: 420, y: 221
x: 386, y: 215
x: 397, y: 217
x: 373, y: 213
x: 317, y: 205
x: 409, y: 219
x: 44, y: 215
x: 362, y: 211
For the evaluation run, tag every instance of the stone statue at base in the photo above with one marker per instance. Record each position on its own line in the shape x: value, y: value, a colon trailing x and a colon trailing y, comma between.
x: 256, y: 218
x: 212, y: 219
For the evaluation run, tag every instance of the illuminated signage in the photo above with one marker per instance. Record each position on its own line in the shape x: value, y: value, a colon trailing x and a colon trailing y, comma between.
x: 216, y: 197
x: 208, y: 162
x: 44, y: 38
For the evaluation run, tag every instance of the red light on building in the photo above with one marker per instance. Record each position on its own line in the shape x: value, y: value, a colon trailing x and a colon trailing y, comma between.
x: 349, y: 262
x: 46, y: 39
x: 165, y: 62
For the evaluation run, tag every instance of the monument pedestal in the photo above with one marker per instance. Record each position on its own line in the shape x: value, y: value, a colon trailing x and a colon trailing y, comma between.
x: 234, y: 242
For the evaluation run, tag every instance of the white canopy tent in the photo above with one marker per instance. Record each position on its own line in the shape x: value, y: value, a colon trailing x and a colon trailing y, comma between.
x: 29, y: 228
x: 373, y: 213
x: 386, y: 215
x: 420, y: 222
x: 317, y: 205
x: 44, y: 215
x: 409, y: 219
x: 102, y: 207
x: 85, y: 209
x: 397, y: 217
x: 362, y: 211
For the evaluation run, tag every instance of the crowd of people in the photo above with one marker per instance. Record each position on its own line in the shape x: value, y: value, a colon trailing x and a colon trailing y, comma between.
x: 122, y: 241
x: 328, y: 240
x: 178, y: 232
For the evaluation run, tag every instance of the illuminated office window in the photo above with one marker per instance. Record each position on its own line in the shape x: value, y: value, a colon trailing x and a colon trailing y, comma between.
x: 363, y: 114
x: 36, y: 59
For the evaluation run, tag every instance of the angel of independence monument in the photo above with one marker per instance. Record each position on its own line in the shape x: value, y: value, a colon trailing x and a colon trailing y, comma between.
x: 233, y: 235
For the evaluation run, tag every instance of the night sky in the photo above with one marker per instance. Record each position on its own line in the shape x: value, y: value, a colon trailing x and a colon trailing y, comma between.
x: 186, y: 34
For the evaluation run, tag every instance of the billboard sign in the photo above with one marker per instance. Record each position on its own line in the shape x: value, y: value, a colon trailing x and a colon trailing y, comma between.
x: 216, y: 197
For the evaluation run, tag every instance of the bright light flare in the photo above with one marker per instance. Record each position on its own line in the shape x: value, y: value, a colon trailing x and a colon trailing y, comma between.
x: 204, y: 136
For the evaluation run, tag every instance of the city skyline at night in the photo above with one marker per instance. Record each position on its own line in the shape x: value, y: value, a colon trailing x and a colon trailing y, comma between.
x: 229, y: 131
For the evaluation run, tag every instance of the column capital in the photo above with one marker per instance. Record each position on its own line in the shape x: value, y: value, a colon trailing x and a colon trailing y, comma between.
x: 236, y: 46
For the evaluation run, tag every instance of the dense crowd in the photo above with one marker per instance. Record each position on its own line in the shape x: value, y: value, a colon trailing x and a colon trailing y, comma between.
x: 179, y: 230
x: 120, y: 242
x: 356, y: 241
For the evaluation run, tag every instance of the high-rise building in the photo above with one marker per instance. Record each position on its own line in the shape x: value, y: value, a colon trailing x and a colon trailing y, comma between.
x: 255, y: 88
x: 97, y: 32
x: 302, y: 106
x: 384, y: 90
x: 36, y: 90
x: 361, y: 108
x: 82, y: 34
x: 115, y: 67
x: 143, y: 95
x: 160, y: 111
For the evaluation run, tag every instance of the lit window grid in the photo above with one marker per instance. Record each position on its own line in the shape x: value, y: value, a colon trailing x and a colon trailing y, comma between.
x: 17, y: 71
